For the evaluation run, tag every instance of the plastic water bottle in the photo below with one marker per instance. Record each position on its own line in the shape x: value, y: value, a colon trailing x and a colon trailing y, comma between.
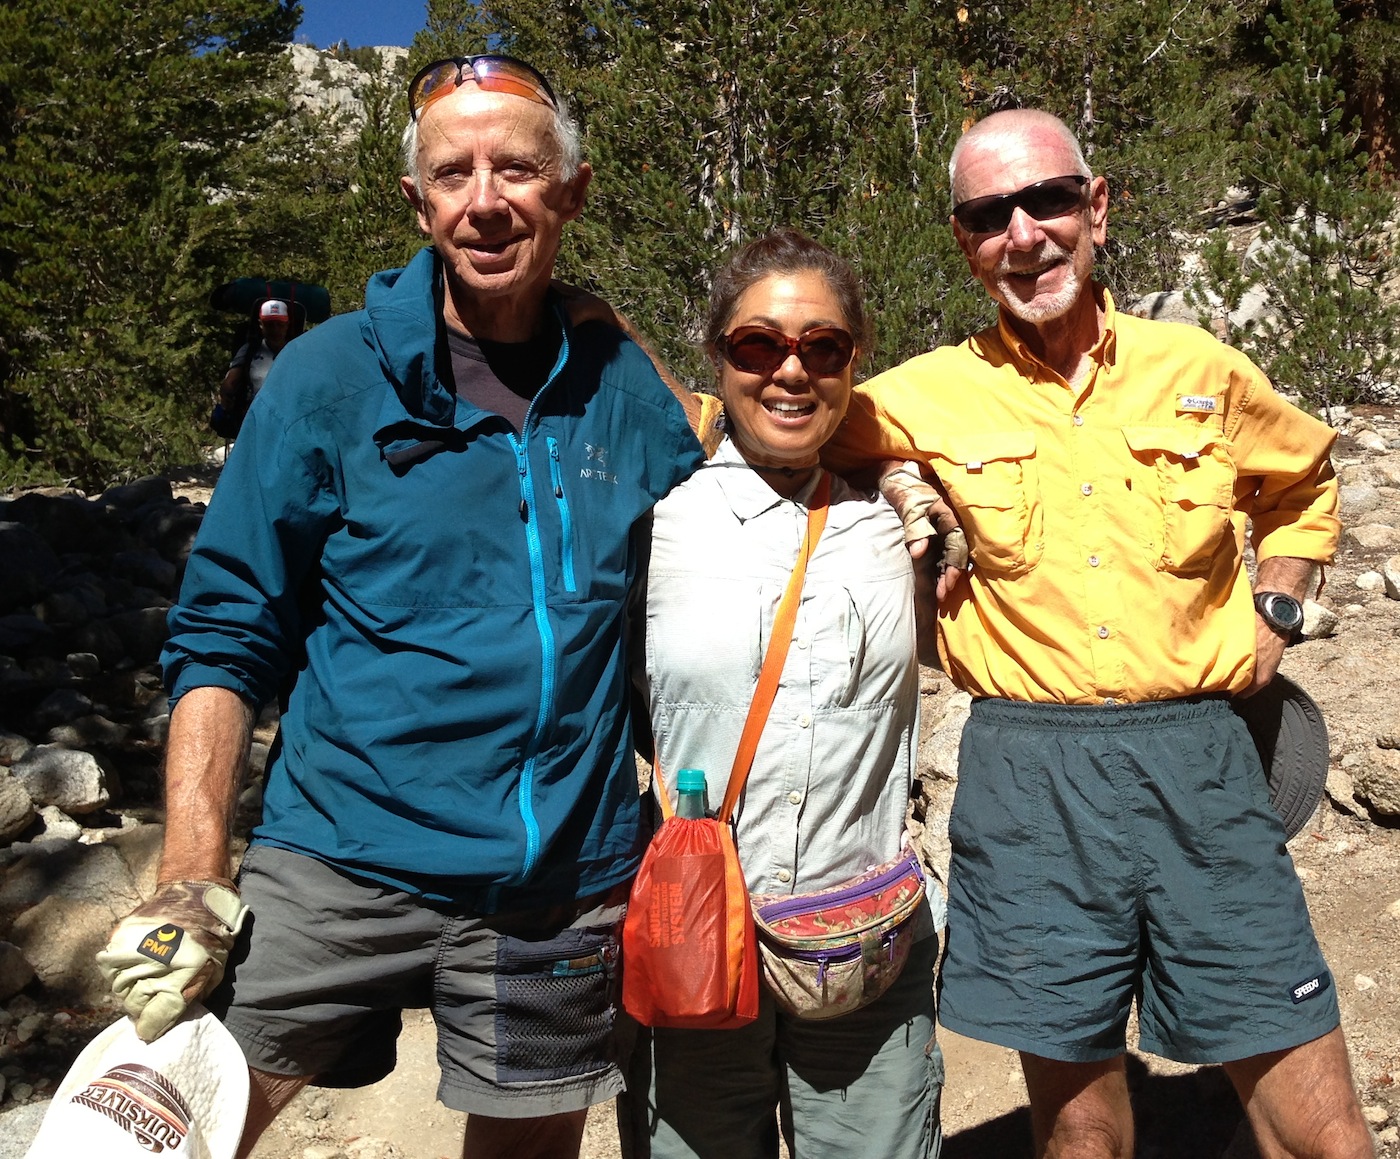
x: 690, y: 793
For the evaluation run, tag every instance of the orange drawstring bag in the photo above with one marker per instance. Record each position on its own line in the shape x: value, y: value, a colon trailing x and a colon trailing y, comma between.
x: 689, y: 948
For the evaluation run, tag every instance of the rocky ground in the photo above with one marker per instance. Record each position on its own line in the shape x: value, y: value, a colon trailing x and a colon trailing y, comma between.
x: 78, y: 850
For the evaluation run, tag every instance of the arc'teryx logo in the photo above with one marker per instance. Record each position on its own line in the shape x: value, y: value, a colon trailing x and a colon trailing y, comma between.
x: 597, y: 455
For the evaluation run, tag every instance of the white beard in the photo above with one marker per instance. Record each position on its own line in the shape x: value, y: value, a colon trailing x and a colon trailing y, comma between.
x: 1045, y: 307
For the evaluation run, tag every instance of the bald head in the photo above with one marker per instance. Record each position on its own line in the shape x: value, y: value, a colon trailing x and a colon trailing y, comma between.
x: 1015, y: 131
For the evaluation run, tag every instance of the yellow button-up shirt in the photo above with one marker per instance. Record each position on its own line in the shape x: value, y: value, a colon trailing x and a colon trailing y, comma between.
x: 1107, y: 521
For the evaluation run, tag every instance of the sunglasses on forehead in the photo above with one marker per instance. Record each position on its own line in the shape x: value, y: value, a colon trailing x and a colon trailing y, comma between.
x: 1043, y: 200
x: 491, y: 73
x: 822, y: 350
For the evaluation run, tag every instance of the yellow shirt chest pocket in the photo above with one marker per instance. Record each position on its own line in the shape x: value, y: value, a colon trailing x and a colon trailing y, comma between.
x: 993, y: 482
x: 1187, y: 473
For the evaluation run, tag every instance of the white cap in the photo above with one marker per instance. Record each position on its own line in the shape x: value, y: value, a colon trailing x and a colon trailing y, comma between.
x: 274, y: 308
x: 185, y: 1094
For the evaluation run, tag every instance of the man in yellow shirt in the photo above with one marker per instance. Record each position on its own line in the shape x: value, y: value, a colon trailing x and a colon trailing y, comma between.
x: 1112, y: 835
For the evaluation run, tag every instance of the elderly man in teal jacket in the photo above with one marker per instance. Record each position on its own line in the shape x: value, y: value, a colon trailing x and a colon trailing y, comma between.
x: 422, y: 545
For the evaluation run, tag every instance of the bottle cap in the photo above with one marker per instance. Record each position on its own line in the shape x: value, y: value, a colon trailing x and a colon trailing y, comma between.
x: 690, y: 781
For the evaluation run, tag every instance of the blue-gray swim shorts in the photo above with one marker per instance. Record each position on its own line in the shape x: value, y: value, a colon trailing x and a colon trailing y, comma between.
x: 1107, y: 853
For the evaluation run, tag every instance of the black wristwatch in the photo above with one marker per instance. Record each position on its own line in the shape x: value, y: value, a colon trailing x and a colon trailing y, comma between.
x: 1280, y: 611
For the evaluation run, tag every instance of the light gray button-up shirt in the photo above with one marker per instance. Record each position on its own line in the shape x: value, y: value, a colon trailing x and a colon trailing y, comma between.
x: 830, y: 783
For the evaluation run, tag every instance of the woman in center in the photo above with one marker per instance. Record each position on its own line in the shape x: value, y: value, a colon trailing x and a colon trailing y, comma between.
x: 826, y: 798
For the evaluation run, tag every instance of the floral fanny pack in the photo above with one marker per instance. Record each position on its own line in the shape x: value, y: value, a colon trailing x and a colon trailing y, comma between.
x: 829, y: 952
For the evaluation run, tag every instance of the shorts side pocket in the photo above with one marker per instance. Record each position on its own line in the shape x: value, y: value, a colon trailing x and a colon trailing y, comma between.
x: 555, y: 1005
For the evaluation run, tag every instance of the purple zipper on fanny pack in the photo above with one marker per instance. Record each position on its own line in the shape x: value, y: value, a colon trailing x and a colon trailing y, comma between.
x: 823, y: 958
x: 775, y: 911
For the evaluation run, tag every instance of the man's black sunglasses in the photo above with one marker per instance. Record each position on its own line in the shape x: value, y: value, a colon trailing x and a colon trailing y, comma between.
x: 1043, y: 200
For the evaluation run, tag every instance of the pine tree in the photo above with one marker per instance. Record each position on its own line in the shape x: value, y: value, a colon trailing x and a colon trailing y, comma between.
x: 375, y: 228
x: 1324, y: 252
x: 121, y: 123
x: 1371, y: 41
x: 1146, y: 86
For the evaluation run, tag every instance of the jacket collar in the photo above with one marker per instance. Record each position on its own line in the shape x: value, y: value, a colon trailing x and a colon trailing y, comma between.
x: 404, y: 325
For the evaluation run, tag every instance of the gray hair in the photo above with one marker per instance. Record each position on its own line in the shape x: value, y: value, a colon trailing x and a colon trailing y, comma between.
x: 566, y: 135
x: 1010, y: 122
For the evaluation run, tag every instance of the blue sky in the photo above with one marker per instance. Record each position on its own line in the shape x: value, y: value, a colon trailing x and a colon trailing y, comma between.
x: 361, y: 22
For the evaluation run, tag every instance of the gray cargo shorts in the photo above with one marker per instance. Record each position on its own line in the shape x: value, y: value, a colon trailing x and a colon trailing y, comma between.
x: 524, y: 1003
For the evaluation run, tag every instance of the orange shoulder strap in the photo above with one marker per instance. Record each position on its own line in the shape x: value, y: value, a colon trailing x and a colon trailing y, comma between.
x: 776, y: 655
x: 773, y: 660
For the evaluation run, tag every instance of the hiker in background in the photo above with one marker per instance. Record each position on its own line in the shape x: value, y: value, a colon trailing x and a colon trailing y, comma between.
x: 1112, y: 837
x: 829, y: 785
x: 251, y: 362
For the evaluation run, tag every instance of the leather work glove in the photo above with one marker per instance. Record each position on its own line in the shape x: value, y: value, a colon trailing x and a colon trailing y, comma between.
x: 171, y: 951
x: 925, y: 514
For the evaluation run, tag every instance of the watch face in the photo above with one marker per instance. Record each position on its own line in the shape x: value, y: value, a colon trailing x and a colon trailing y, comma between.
x: 1282, y: 611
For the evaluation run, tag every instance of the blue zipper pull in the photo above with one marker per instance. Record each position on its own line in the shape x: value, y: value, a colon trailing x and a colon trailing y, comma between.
x: 821, y: 969
x: 555, y: 464
x: 522, y: 469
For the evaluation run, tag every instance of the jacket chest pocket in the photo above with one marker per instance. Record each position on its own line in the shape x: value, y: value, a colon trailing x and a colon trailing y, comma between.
x: 1189, y: 475
x: 995, y: 487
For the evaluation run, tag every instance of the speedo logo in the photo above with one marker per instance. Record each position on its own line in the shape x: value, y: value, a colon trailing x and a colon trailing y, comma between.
x: 1313, y: 986
x: 142, y: 1102
x: 160, y: 944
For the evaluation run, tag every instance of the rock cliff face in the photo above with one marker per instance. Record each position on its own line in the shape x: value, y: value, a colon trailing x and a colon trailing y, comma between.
x: 83, y: 596
x: 324, y: 83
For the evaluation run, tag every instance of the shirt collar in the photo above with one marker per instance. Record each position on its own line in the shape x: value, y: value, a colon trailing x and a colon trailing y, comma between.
x: 1104, y: 352
x: 744, y: 489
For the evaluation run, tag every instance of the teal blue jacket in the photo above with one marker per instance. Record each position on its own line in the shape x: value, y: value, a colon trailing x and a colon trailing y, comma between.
x: 438, y: 601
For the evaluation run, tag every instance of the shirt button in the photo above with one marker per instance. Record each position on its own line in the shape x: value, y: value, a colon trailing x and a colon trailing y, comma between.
x: 1093, y: 561
x: 1103, y: 632
x: 795, y: 797
x: 801, y: 641
x: 804, y: 721
x: 1079, y: 420
x: 784, y: 875
x: 1086, y: 488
